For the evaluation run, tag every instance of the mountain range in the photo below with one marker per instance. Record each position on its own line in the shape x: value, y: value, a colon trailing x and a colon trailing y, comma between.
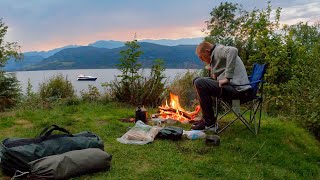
x: 178, y: 53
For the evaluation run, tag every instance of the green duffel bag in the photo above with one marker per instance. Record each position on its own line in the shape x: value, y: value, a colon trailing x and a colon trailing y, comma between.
x: 16, y: 153
x: 69, y: 164
x: 170, y: 132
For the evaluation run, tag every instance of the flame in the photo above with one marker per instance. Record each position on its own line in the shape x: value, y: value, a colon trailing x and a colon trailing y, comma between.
x: 175, y: 111
x: 175, y: 102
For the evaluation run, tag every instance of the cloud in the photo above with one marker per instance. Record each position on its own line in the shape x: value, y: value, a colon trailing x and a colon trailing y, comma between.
x: 302, y: 12
x: 122, y: 34
x: 32, y: 22
x: 44, y: 24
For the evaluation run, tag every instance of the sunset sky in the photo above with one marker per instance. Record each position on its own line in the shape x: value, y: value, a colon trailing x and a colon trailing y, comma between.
x: 47, y: 24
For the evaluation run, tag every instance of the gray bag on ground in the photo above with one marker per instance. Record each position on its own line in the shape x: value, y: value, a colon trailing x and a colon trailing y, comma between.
x: 16, y: 153
x: 69, y: 164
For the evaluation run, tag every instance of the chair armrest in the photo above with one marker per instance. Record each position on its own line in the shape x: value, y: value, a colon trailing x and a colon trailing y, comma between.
x: 251, y: 83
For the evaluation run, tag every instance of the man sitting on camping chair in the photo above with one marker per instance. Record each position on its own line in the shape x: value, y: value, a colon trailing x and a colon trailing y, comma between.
x: 226, y: 69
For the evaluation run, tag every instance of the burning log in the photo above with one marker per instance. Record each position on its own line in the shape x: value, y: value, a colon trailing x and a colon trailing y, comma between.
x: 175, y: 111
x: 170, y: 110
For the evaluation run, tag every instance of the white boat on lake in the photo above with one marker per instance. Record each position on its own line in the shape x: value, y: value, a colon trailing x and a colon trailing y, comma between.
x: 82, y: 77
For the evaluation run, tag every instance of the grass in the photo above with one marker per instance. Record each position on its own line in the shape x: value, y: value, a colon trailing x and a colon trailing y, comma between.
x: 282, y: 150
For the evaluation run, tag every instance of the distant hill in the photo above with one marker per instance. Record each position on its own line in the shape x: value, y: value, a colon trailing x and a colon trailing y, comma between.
x: 110, y: 44
x: 28, y: 60
x: 87, y: 57
x: 46, y: 54
x: 177, y: 53
x: 175, y: 42
x: 107, y: 44
x: 31, y: 58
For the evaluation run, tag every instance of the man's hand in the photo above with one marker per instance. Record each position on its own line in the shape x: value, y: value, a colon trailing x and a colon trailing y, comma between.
x: 223, y: 82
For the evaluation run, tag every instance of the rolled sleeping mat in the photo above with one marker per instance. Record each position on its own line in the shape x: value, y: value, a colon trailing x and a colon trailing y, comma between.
x: 69, y: 164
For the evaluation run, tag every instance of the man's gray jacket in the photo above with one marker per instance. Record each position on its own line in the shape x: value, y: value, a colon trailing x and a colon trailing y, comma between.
x: 225, y: 63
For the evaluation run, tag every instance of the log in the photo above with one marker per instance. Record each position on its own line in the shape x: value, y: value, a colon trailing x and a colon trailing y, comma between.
x: 184, y: 113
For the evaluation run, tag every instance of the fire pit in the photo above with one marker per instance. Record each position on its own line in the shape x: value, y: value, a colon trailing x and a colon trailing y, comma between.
x: 174, y: 111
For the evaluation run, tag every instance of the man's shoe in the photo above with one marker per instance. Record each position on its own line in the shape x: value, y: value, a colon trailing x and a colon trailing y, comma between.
x: 197, y: 122
x: 202, y: 126
x: 213, y: 127
x: 199, y: 126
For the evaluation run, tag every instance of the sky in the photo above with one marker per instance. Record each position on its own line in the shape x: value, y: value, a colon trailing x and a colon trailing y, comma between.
x: 47, y: 24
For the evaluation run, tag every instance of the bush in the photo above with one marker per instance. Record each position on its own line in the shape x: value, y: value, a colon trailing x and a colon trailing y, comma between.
x: 56, y: 88
x: 92, y: 95
x: 133, y: 88
x: 10, y: 91
x: 183, y: 87
x: 33, y: 100
x: 142, y: 91
x: 153, y: 87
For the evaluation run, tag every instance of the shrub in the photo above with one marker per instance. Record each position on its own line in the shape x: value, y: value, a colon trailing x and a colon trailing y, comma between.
x: 92, y: 95
x: 153, y: 87
x: 10, y: 91
x: 183, y: 87
x: 31, y: 99
x: 133, y: 88
x: 142, y: 91
x: 56, y: 88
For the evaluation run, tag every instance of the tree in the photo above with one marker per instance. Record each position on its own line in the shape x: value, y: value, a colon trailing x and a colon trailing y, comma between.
x: 255, y: 35
x: 292, y: 53
x: 134, y: 88
x: 224, y: 23
x: 10, y: 90
x: 7, y: 49
x: 129, y: 65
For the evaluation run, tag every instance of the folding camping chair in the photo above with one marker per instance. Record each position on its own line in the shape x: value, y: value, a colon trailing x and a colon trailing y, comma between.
x: 254, y: 102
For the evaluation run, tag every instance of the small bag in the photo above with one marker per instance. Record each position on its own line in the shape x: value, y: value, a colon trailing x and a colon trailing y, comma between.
x: 170, y: 132
x: 194, y: 134
x: 69, y: 164
x: 140, y: 133
x: 16, y: 153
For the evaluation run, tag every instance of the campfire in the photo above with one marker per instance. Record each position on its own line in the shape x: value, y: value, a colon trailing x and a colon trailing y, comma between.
x: 174, y: 111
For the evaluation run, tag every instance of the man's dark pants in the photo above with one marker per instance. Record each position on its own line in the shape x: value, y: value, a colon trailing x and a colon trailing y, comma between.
x: 207, y: 88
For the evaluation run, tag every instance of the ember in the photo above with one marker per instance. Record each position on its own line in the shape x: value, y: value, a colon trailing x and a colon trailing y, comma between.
x: 175, y: 111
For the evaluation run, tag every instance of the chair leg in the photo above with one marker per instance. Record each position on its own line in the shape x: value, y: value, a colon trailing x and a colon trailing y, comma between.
x: 239, y: 116
x: 255, y: 107
x: 245, y: 122
x: 254, y: 119
x: 251, y: 109
x: 261, y: 101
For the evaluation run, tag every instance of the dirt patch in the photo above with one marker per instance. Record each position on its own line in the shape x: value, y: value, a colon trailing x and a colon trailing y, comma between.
x: 101, y: 122
x: 24, y: 123
x: 8, y: 131
x: 6, y: 114
x: 144, y: 167
x: 127, y: 120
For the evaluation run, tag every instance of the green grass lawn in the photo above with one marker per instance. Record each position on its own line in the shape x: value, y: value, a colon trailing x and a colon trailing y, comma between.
x: 282, y: 150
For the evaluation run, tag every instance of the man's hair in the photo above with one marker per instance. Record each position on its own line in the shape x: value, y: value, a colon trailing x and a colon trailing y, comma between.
x: 203, y: 46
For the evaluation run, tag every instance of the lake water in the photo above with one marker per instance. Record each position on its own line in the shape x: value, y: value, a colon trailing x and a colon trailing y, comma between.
x: 103, y: 75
